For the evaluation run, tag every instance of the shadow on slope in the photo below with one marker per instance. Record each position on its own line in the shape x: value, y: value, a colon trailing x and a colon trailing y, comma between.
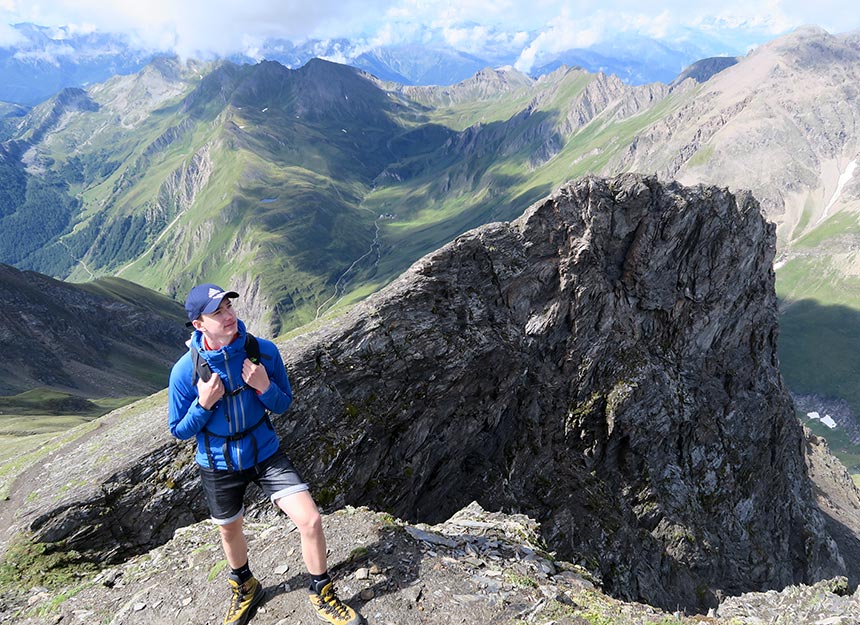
x: 819, y: 350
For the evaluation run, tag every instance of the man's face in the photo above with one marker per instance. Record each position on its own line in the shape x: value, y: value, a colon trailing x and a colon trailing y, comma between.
x: 220, y: 325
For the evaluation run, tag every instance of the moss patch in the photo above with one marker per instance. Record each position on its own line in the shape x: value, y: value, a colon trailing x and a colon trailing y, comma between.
x: 28, y: 563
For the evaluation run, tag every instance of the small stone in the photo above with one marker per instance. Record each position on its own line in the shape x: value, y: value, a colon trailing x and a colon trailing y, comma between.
x: 375, y: 570
x: 367, y: 594
x: 550, y: 592
x: 139, y: 606
x: 465, y: 599
x: 42, y: 596
x: 186, y: 601
x: 429, y: 537
x: 412, y: 594
x: 282, y: 570
x: 362, y: 573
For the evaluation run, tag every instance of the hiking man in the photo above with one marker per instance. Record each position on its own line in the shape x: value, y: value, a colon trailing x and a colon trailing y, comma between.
x: 222, y: 392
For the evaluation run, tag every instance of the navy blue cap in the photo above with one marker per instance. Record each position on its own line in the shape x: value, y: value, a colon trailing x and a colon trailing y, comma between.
x: 205, y: 298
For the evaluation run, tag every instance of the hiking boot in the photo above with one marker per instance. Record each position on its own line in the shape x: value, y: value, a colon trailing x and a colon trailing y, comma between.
x: 245, y: 598
x: 331, y: 609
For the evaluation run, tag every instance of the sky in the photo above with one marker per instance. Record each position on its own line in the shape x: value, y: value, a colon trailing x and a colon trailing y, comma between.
x: 207, y: 28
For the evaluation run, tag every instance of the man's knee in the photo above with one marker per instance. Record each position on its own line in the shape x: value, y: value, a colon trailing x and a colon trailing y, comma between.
x: 232, y: 529
x: 310, y: 524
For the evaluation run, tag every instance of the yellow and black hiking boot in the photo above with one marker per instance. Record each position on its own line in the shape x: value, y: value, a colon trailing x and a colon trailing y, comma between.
x: 331, y: 609
x: 245, y: 598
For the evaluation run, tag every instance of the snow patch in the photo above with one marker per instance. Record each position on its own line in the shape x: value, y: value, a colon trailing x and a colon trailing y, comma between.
x: 843, y: 180
x: 826, y: 419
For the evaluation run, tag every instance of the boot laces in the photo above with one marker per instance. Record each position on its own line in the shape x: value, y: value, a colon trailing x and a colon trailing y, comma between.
x: 239, y: 594
x: 334, y: 606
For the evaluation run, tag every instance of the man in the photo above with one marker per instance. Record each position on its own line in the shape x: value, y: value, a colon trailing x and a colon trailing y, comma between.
x: 228, y: 413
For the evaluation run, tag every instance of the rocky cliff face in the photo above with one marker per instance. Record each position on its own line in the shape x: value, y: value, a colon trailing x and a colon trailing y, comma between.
x: 605, y: 364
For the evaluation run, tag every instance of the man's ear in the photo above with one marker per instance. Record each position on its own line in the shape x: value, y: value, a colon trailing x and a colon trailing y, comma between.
x: 197, y: 324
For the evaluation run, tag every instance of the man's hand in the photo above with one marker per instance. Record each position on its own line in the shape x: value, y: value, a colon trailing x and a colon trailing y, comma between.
x: 255, y: 376
x: 208, y: 393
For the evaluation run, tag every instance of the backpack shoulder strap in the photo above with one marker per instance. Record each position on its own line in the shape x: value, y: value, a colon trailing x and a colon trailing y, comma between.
x: 252, y: 348
x: 202, y: 370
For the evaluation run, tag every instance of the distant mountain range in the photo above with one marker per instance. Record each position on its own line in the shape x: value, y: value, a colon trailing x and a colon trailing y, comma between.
x: 49, y: 60
x: 306, y: 189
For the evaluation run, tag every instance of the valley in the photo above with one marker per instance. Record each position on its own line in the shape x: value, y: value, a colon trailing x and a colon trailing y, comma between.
x: 309, y: 189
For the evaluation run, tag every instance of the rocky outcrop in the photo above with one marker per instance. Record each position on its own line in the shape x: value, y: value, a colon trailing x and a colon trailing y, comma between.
x: 181, y: 188
x: 605, y: 364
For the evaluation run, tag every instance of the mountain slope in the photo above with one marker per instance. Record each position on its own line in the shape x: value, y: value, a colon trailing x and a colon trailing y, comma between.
x: 319, y: 185
x: 261, y: 164
x: 108, y: 338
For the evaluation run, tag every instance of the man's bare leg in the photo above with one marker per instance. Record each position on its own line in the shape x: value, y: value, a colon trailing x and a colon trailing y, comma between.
x: 302, y: 510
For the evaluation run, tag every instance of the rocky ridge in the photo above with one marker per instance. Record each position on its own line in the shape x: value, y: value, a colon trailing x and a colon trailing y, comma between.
x: 604, y: 365
x: 476, y: 567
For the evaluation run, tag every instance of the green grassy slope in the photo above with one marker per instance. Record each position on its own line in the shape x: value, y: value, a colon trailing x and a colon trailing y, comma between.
x: 314, y: 187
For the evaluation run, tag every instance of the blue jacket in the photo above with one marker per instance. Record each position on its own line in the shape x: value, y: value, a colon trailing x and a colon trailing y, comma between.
x: 216, y: 429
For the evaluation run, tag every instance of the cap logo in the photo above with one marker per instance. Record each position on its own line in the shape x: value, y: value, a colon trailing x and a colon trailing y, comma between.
x: 214, y: 293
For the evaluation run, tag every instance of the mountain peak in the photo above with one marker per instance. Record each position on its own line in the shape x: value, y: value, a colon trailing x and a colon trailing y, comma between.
x: 704, y: 69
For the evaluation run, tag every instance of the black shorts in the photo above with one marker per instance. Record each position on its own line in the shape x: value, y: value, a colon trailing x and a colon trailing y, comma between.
x: 225, y: 490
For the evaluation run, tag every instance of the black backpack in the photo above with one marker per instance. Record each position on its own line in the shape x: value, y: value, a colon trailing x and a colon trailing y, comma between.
x: 202, y: 369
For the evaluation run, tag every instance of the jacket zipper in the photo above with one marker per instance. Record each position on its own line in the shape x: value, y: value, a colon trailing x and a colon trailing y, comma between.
x: 231, y: 399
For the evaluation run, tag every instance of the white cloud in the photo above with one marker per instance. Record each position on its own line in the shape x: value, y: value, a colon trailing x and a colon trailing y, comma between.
x: 562, y: 33
x: 9, y: 37
x: 51, y: 54
x: 201, y: 27
x: 192, y: 27
x: 475, y: 39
